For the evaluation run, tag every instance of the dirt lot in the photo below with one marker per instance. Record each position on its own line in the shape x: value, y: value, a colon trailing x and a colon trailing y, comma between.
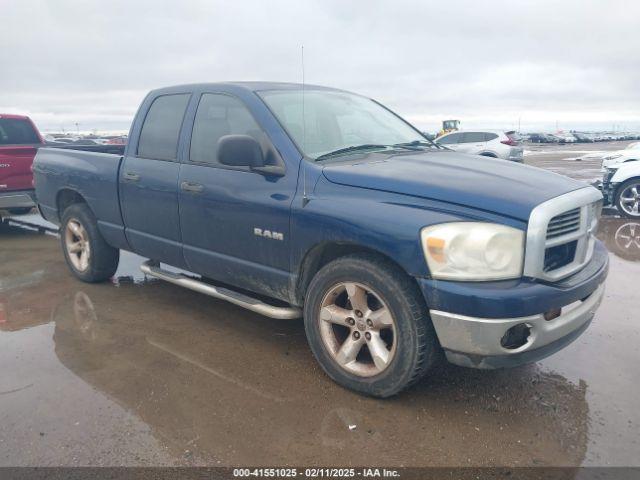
x: 138, y: 372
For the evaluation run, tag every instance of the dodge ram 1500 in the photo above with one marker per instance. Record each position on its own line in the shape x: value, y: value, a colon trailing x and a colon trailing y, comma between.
x: 304, y: 201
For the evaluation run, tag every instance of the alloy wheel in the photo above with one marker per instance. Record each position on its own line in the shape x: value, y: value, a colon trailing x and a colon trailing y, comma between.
x: 76, y: 242
x: 357, y: 329
x: 630, y: 200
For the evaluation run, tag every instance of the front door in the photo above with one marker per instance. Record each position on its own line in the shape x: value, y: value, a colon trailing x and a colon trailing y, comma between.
x: 149, y: 183
x: 235, y: 222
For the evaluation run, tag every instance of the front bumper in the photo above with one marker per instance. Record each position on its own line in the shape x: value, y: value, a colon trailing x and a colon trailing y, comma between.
x: 475, y: 342
x: 17, y: 199
x: 471, y: 318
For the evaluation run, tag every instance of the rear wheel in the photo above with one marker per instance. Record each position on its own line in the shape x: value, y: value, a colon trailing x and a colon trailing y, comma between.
x: 368, y: 326
x: 88, y: 255
x: 628, y: 198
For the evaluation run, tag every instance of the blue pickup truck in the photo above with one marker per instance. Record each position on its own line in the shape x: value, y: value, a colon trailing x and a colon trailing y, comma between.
x: 305, y: 201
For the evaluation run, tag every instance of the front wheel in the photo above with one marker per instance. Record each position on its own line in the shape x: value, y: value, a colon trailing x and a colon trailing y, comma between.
x: 628, y: 198
x: 88, y: 255
x: 368, y: 326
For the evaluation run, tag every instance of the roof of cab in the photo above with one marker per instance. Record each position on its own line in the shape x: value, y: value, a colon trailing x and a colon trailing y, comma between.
x: 14, y: 116
x: 249, y: 86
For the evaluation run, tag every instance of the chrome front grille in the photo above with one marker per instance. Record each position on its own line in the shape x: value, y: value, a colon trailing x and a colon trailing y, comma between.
x: 560, y: 238
x: 564, y: 224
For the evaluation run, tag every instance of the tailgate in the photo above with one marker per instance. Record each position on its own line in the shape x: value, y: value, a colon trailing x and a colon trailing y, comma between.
x: 15, y: 167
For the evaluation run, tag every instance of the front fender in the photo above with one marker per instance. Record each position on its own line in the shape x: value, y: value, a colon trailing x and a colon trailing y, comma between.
x: 384, y: 222
x: 626, y: 171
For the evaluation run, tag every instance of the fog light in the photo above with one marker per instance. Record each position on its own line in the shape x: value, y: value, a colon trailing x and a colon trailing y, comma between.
x: 551, y: 314
x: 516, y: 336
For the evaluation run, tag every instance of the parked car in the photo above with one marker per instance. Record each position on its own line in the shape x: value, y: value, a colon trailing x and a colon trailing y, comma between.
x: 116, y: 140
x: 542, y: 138
x: 65, y: 140
x: 621, y: 188
x: 582, y: 137
x: 19, y: 141
x: 488, y: 143
x: 564, y: 137
x: 392, y: 248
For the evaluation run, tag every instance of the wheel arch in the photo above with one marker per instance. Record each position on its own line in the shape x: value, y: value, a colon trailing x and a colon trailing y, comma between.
x: 324, y: 253
x: 67, y: 197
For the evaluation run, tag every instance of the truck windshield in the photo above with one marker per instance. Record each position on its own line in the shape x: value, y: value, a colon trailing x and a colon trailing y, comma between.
x: 336, y: 123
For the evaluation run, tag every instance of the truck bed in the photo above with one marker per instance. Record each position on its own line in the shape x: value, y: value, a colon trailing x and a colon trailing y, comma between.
x: 94, y: 175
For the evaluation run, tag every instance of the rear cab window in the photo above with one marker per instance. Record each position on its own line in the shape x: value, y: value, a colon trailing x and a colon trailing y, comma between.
x: 17, y: 131
x: 161, y: 127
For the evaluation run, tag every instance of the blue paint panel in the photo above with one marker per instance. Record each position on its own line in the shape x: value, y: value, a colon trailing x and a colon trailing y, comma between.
x: 490, y: 184
x: 150, y: 209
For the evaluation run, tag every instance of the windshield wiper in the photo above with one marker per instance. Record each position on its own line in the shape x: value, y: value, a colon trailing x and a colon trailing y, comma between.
x: 418, y: 143
x: 353, y: 148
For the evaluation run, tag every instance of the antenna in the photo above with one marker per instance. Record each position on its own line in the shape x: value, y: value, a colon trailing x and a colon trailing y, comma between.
x: 305, y: 199
x: 304, y: 123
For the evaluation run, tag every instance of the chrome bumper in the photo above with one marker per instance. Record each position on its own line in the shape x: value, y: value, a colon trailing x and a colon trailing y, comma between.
x: 476, y: 342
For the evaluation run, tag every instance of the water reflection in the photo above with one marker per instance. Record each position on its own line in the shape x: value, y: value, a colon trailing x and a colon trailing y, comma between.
x: 622, y: 237
x: 228, y: 384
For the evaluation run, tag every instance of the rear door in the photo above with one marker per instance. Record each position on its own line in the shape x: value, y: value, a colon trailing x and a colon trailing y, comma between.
x: 19, y: 141
x: 235, y: 222
x: 149, y: 182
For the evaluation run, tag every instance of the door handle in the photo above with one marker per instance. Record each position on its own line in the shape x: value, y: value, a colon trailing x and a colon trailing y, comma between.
x: 131, y: 177
x: 191, y: 187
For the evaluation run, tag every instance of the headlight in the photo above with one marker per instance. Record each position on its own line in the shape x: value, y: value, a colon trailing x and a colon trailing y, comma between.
x: 473, y: 251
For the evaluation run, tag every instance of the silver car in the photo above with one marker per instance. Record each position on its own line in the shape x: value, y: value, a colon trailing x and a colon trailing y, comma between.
x: 489, y: 143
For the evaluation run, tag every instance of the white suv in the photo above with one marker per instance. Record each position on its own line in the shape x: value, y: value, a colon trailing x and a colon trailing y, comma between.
x: 489, y: 143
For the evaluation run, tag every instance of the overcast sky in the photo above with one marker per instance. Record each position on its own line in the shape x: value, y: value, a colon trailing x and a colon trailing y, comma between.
x: 487, y: 63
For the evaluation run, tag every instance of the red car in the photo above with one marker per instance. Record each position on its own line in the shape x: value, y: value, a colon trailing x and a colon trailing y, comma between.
x: 19, y: 141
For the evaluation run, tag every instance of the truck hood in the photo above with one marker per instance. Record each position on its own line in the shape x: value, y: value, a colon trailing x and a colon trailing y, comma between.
x: 485, y: 183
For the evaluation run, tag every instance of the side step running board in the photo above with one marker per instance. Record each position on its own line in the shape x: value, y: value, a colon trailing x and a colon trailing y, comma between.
x: 255, y: 305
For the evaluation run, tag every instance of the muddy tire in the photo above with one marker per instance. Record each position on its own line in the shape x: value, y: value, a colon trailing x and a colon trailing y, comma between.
x: 627, y: 198
x: 88, y: 256
x: 368, y: 326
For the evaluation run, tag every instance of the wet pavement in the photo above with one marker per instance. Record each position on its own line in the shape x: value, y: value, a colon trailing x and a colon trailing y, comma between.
x: 140, y: 372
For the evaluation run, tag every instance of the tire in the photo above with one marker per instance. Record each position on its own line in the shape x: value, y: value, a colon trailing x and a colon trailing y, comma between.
x: 412, y: 345
x: 79, y: 236
x: 626, y: 208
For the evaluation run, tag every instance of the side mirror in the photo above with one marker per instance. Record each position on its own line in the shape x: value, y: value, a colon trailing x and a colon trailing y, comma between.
x: 240, y: 151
